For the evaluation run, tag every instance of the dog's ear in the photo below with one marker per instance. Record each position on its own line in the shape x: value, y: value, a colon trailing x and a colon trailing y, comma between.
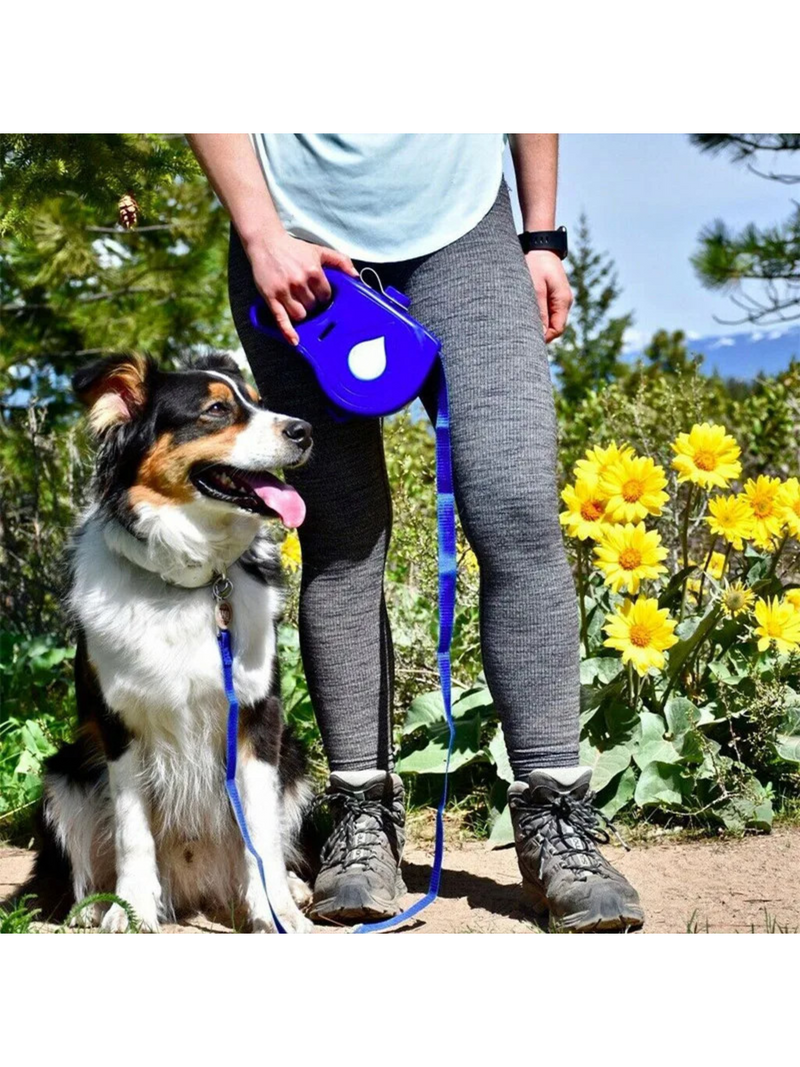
x: 114, y: 389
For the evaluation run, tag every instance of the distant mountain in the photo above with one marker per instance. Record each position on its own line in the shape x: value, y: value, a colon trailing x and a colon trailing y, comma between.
x: 743, y: 355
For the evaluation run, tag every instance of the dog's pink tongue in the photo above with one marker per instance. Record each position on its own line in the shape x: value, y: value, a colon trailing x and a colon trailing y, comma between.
x: 284, y: 500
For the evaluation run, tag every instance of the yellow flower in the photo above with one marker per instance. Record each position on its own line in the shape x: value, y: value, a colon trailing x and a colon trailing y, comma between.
x: 470, y: 562
x: 290, y: 551
x: 731, y: 517
x: 642, y: 632
x: 736, y: 598
x: 707, y: 456
x: 779, y: 621
x: 585, y: 508
x: 793, y: 596
x: 634, y: 487
x: 598, y: 460
x: 766, y: 509
x: 715, y: 567
x: 789, y: 497
x: 628, y: 555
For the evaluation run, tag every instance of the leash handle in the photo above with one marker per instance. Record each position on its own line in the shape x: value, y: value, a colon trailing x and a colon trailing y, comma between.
x: 446, y: 529
x: 226, y: 655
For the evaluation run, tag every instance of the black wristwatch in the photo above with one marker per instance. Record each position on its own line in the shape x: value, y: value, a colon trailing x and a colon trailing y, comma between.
x: 545, y: 240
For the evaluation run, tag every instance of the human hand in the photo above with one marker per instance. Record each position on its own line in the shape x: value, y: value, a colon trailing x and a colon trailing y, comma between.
x: 553, y: 293
x: 289, y: 275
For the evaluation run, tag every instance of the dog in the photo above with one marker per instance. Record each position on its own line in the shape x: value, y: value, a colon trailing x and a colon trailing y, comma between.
x: 136, y: 805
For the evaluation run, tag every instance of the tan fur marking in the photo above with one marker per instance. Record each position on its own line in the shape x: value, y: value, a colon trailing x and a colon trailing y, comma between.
x: 163, y: 477
x: 109, y: 400
x: 220, y: 391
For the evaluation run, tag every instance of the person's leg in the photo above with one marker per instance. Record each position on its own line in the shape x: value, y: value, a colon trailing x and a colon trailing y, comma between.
x: 476, y: 295
x: 344, y: 626
x: 344, y: 631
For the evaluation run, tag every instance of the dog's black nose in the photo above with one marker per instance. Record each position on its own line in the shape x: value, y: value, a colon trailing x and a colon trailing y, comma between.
x: 299, y: 433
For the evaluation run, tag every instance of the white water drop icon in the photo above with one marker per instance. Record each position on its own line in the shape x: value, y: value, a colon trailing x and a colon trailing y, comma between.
x: 367, y: 359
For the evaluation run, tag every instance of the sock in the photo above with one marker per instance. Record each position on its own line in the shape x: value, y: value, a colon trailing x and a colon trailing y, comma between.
x: 565, y: 776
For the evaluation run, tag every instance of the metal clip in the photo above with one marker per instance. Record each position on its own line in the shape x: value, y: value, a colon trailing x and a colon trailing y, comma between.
x: 223, y: 611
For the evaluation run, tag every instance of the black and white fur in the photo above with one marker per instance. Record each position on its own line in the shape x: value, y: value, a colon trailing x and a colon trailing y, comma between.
x: 137, y: 804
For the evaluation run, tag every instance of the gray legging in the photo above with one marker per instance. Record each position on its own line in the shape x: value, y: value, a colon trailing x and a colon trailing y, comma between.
x: 476, y: 296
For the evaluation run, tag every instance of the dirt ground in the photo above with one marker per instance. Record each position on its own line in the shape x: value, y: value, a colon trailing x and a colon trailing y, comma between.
x: 711, y: 886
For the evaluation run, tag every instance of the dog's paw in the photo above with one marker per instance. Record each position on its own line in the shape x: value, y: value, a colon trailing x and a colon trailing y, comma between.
x: 301, y: 892
x: 87, y: 917
x: 144, y: 907
x: 292, y: 920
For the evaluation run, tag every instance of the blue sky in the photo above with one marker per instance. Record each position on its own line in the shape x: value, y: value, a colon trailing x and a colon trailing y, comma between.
x: 647, y: 197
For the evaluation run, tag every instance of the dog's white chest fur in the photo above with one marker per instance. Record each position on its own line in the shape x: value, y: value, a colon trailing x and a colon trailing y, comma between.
x: 154, y: 645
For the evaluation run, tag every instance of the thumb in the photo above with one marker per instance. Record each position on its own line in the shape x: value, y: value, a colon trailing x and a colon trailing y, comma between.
x: 329, y: 257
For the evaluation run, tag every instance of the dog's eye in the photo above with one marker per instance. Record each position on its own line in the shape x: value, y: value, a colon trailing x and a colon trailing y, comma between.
x: 216, y: 409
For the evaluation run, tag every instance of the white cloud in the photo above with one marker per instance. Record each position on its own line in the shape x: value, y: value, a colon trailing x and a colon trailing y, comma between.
x: 722, y: 342
x: 632, y: 339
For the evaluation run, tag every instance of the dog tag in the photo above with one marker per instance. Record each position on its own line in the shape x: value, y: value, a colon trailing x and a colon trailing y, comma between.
x: 223, y: 613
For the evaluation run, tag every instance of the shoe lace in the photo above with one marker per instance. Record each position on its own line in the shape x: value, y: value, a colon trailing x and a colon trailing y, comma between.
x: 363, y: 828
x: 569, y: 826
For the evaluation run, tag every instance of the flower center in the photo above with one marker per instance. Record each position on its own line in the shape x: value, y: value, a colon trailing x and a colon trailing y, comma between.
x: 591, y: 510
x: 762, y: 507
x: 705, y: 460
x: 632, y: 490
x: 774, y: 628
x: 640, y: 635
x: 796, y: 507
x: 735, y: 601
x: 630, y: 559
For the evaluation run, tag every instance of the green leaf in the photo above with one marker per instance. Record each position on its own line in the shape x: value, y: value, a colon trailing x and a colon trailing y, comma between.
x: 498, y: 752
x: 430, y: 758
x: 682, y: 719
x: 606, y: 764
x: 502, y: 832
x: 478, y: 698
x: 592, y: 698
x: 660, y: 784
x: 618, y: 794
x: 623, y: 723
x: 600, y: 668
x: 745, y: 812
x: 427, y: 710
x: 654, y: 747
x: 788, y: 747
x: 679, y: 654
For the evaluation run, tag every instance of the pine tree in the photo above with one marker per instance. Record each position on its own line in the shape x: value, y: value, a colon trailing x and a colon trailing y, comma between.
x: 75, y: 283
x: 589, y: 352
x: 768, y: 256
x: 667, y: 353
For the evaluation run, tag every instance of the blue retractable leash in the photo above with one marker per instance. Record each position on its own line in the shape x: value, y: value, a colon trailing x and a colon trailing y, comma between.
x: 371, y: 358
x: 222, y: 589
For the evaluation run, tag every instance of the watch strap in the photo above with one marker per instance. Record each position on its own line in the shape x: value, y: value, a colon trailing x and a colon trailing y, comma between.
x: 545, y: 240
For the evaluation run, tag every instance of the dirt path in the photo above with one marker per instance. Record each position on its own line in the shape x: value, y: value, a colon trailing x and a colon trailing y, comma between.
x: 719, y: 886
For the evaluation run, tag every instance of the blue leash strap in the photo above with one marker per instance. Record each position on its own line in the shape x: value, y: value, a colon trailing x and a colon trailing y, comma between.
x: 446, y: 526
x: 226, y: 654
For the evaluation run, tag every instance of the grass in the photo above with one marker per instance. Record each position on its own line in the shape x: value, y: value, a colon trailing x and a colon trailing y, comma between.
x: 20, y: 918
x: 771, y: 925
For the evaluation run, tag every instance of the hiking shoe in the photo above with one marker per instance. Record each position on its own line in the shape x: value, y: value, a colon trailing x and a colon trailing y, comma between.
x: 569, y: 882
x: 360, y: 875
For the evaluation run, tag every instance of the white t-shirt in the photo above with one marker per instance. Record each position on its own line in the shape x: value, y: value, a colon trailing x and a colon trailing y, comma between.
x: 381, y: 197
